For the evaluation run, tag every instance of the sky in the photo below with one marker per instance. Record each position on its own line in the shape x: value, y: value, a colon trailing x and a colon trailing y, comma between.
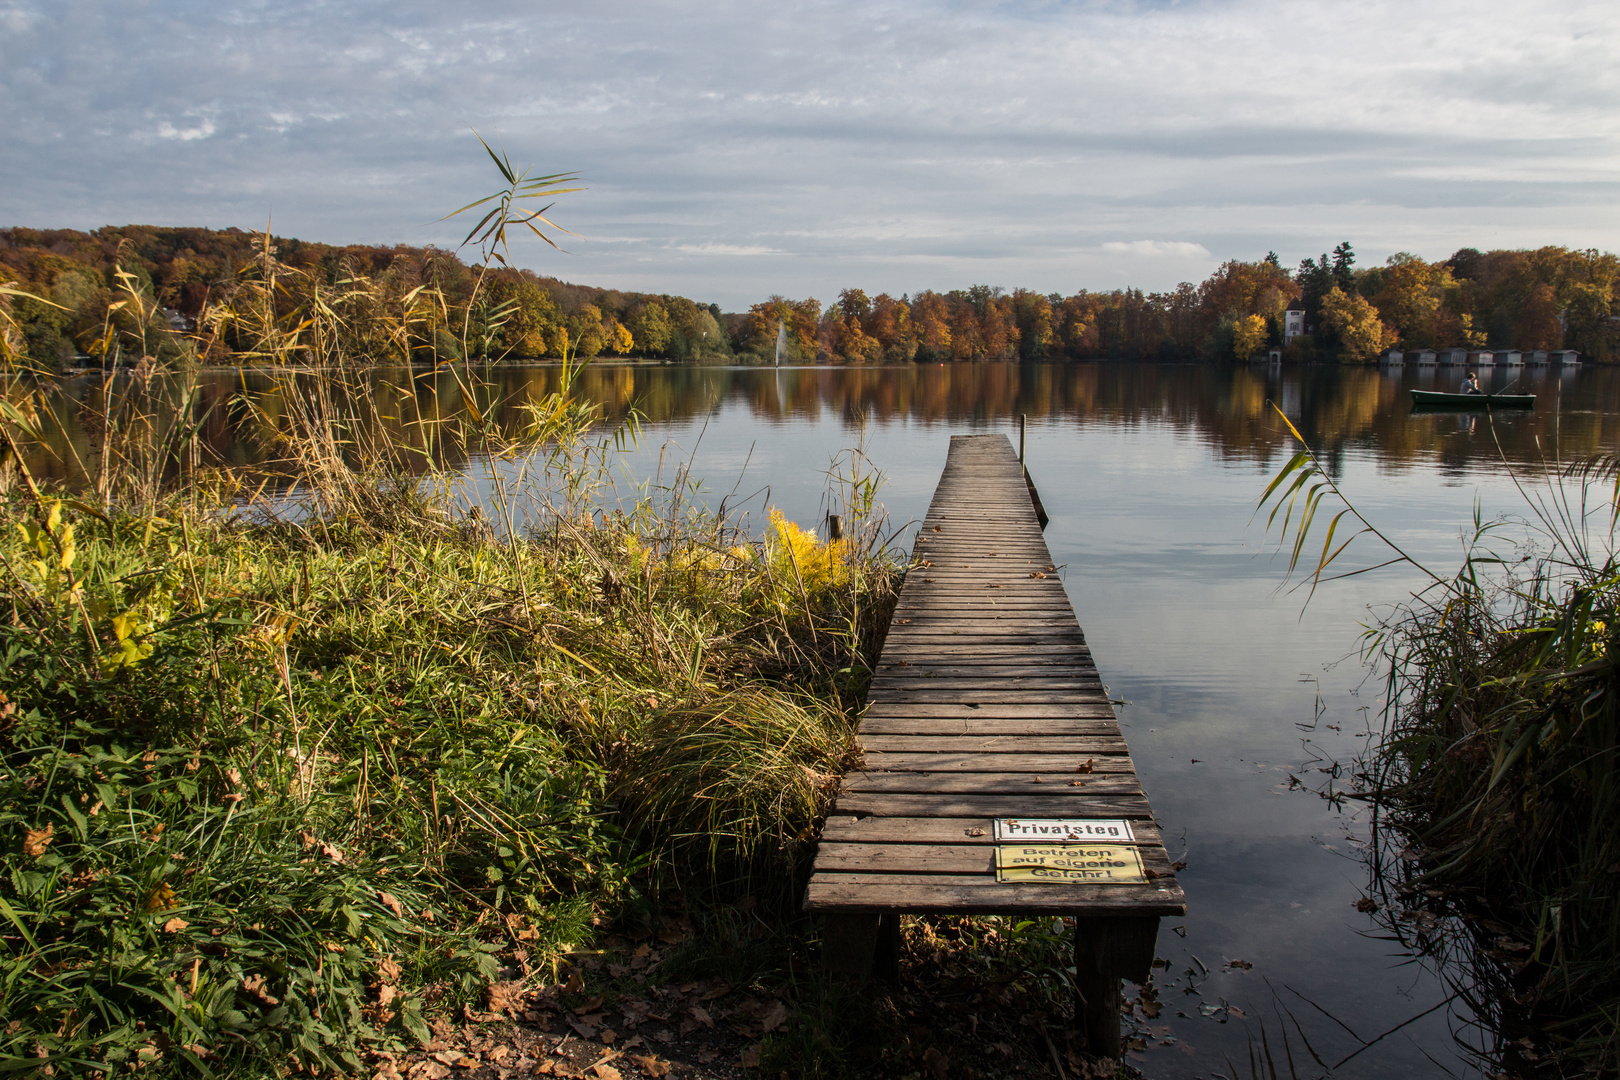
x: 735, y: 150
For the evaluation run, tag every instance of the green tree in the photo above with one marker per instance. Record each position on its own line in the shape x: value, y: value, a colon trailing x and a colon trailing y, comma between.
x: 650, y: 328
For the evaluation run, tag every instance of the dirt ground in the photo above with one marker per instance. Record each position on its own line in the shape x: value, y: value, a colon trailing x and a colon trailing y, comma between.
x: 613, y: 1013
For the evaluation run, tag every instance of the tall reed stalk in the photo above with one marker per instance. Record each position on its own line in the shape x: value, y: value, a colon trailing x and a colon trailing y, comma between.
x: 1497, y: 775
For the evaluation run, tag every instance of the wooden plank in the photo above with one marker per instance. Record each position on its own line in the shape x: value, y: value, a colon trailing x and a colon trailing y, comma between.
x: 1009, y: 696
x: 914, y: 858
x: 1009, y: 711
x: 1080, y: 804
x: 1050, y: 764
x: 849, y: 829
x: 991, y: 746
x: 952, y: 896
x: 990, y: 783
x: 1044, y: 727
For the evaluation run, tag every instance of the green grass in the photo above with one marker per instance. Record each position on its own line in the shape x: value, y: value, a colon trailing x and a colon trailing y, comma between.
x: 272, y: 794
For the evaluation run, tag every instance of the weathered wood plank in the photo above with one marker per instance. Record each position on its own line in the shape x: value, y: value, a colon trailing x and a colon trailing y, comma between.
x: 1078, y: 803
x: 849, y: 829
x: 916, y: 858
x: 1009, y: 711
x: 925, y: 895
x: 1044, y: 727
x: 991, y: 746
x: 990, y: 783
x: 1050, y: 764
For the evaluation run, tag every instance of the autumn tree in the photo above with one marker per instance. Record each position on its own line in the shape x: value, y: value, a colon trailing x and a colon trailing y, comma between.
x: 1355, y: 323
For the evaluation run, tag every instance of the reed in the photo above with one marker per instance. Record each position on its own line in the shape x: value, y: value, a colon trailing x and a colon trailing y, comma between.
x: 1497, y: 774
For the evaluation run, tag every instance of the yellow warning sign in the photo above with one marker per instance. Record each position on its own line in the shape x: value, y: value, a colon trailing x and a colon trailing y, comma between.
x: 1079, y: 864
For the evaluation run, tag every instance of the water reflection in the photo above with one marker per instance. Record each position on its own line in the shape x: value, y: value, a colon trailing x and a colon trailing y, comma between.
x: 1225, y: 407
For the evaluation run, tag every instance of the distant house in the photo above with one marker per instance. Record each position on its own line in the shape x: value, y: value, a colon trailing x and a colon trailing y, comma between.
x: 1510, y: 357
x: 1423, y: 357
x: 1452, y: 357
x: 1536, y: 356
x: 1482, y: 358
x: 1567, y: 357
x: 1392, y: 358
x: 1274, y: 356
x: 1293, y: 324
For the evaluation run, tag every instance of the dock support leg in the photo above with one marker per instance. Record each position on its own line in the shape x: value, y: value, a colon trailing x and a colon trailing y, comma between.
x: 849, y: 944
x: 1107, y: 950
x: 888, y: 949
x: 862, y: 946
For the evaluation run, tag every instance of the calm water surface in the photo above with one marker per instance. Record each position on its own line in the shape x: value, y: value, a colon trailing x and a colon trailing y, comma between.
x: 1235, y: 685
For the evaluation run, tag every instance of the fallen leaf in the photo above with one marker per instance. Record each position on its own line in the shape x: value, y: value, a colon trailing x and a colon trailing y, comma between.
x: 606, y: 1072
x: 391, y: 904
x: 387, y: 970
x: 591, y: 1006
x: 750, y: 1056
x: 254, y: 984
x: 505, y: 997
x: 774, y: 1017
x: 701, y: 1015
x: 607, y: 1035
x: 720, y: 991
x: 935, y: 1062
x: 435, y: 1071
x: 1241, y: 965
x: 1233, y: 1010
x: 1089, y: 765
x: 651, y: 1066
x: 35, y: 841
x: 448, y: 1057
x: 175, y: 925
x: 1179, y: 864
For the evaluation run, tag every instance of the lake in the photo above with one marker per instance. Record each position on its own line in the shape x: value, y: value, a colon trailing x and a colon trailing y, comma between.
x: 1241, y: 695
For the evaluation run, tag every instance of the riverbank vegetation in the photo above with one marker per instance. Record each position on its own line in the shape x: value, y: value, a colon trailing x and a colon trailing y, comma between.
x: 285, y: 780
x: 222, y: 294
x: 1496, y: 779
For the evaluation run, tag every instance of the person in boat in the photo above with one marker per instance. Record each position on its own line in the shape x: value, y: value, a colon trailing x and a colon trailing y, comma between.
x: 1472, y: 385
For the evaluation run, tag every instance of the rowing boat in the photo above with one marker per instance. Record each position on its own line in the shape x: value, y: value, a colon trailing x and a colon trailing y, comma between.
x: 1437, y: 399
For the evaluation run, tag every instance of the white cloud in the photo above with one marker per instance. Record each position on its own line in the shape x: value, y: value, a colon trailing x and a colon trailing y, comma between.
x: 1157, y: 249
x: 739, y: 150
x: 201, y: 130
x: 726, y: 249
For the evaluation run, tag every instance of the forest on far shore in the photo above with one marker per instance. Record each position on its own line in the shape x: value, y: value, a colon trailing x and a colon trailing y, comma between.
x: 235, y: 296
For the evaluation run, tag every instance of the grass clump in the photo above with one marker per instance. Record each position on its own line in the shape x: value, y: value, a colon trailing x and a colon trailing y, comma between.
x: 1497, y: 777
x: 1500, y: 771
x: 273, y: 795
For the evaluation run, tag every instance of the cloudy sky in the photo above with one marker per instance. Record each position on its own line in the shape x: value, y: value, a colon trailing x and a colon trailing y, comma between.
x: 734, y: 150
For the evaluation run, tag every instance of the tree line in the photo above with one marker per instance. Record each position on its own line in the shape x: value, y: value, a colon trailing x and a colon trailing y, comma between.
x: 236, y: 296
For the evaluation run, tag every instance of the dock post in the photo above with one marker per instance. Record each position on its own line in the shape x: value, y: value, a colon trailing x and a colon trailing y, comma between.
x: 1022, y: 419
x: 1106, y: 950
x: 850, y: 943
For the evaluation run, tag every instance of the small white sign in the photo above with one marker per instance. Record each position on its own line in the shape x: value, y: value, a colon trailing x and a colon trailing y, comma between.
x: 1064, y: 830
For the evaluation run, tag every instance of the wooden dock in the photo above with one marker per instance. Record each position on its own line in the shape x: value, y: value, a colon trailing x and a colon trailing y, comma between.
x: 987, y: 714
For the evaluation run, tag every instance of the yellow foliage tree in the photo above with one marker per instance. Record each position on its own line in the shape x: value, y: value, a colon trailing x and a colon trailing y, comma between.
x: 1248, y: 335
x: 1362, y: 334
